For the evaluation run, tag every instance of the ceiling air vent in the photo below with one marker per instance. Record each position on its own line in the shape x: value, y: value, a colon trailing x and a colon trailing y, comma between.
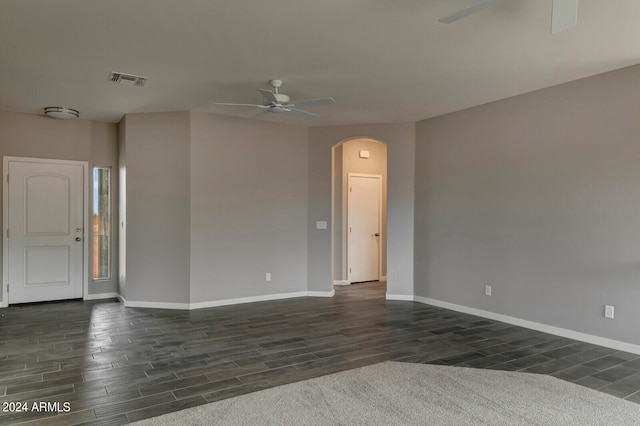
x: 127, y: 79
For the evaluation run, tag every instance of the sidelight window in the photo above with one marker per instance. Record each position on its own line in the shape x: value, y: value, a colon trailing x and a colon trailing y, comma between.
x: 101, y: 223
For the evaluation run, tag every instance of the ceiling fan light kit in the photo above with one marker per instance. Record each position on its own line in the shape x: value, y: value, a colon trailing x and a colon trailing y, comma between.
x: 61, y: 113
x: 276, y: 102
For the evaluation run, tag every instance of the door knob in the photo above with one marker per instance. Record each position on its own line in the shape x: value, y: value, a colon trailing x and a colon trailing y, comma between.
x: 377, y: 234
x: 78, y: 239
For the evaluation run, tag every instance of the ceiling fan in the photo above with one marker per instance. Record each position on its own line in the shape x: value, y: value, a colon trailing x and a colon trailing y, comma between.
x: 276, y: 102
x: 564, y: 14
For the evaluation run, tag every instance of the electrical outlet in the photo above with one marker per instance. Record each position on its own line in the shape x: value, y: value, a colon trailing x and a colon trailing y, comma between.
x: 268, y: 276
x: 608, y: 311
x: 487, y: 290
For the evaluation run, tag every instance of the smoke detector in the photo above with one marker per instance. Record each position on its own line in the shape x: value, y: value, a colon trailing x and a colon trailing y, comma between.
x: 127, y: 79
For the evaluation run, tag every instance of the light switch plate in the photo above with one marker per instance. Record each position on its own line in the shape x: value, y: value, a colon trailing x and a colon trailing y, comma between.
x: 321, y: 224
x: 608, y: 311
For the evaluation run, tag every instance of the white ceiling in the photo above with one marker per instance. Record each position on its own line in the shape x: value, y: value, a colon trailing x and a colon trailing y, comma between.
x: 381, y: 60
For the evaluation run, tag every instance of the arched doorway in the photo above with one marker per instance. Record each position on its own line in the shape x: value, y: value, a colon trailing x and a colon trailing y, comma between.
x: 359, y: 164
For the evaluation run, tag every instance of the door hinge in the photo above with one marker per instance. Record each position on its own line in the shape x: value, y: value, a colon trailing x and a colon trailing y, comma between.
x: 7, y: 178
x: 7, y: 232
x: 350, y: 188
x: 7, y: 288
x: 349, y: 270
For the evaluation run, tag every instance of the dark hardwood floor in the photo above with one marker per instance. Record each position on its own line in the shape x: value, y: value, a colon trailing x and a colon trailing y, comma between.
x: 112, y: 365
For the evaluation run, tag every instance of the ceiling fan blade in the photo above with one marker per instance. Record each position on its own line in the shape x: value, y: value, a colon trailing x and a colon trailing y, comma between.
x: 310, y: 102
x: 268, y: 95
x: 468, y: 11
x: 564, y: 15
x: 301, y: 113
x: 245, y: 105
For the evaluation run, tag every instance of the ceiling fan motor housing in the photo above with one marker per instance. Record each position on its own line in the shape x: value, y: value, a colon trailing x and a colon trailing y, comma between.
x: 282, y: 99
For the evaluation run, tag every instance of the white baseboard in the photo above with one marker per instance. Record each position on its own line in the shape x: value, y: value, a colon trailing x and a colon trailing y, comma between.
x: 156, y: 305
x: 563, y: 332
x: 341, y: 282
x: 321, y: 293
x: 224, y: 302
x: 405, y: 297
x: 99, y: 296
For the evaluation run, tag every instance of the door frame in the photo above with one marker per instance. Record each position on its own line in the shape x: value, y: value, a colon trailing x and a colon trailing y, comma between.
x: 5, y: 219
x: 345, y: 249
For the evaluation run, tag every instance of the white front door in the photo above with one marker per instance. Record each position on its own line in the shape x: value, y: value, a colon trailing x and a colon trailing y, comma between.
x: 44, y: 223
x: 363, y: 227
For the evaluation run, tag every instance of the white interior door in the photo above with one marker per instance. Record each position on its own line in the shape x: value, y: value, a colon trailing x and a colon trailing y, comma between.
x: 363, y: 227
x: 44, y: 230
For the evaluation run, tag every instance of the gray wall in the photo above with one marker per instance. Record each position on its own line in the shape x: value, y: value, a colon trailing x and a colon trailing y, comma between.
x: 248, y: 208
x: 28, y: 135
x: 538, y: 196
x: 400, y: 141
x: 157, y: 218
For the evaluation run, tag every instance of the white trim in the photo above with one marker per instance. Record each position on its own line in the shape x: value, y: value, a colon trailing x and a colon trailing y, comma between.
x: 341, y: 282
x: 405, y: 297
x: 563, y: 332
x: 262, y: 298
x: 114, y: 223
x: 5, y: 218
x: 99, y: 296
x: 156, y: 305
x: 224, y: 302
x: 321, y: 293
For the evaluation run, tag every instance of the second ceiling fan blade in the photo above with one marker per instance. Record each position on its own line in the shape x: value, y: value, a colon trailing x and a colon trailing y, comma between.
x: 243, y: 105
x: 468, y: 11
x: 564, y: 15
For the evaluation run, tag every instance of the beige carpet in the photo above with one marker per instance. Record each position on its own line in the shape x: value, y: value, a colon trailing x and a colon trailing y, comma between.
x: 394, y: 393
